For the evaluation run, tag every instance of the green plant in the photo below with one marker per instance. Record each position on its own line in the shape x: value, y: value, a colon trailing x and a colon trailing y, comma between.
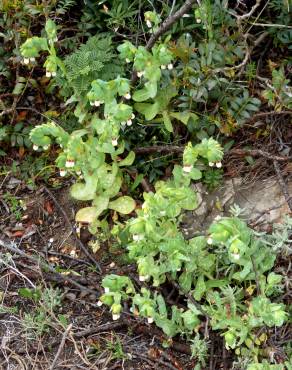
x: 279, y: 93
x: 16, y: 206
x: 40, y: 320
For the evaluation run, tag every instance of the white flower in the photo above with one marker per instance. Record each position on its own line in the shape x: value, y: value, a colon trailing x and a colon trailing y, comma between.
x: 48, y: 74
x: 170, y: 66
x: 149, y: 24
x: 140, y: 74
x: 106, y: 289
x: 198, y: 20
x: 63, y: 173
x: 91, y: 103
x: 51, y: 240
x: 32, y: 59
x: 128, y: 60
x: 137, y: 237
x: 112, y: 265
x: 143, y: 278
x: 69, y: 163
x: 210, y: 241
x: 127, y: 96
x: 163, y: 66
x: 178, y: 269
x: 26, y: 60
x: 54, y: 74
x: 162, y: 213
x: 211, y: 164
x: 123, y: 123
x: 99, y: 303
x: 218, y: 218
x: 78, y: 173
x: 218, y: 164
x: 35, y: 147
x: 150, y: 320
x: 77, y: 230
x: 133, y: 116
x: 97, y: 103
x: 114, y: 142
x: 187, y: 168
x: 46, y: 147
x: 56, y: 39
x: 116, y: 316
x: 129, y: 122
x: 236, y: 256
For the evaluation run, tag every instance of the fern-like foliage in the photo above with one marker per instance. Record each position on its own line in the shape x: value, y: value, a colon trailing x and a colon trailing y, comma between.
x: 64, y: 6
x: 93, y: 60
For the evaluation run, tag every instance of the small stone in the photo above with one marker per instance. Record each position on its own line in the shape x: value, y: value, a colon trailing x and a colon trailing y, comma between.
x: 70, y: 296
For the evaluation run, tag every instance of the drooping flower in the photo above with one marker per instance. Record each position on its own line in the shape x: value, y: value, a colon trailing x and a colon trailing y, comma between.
x: 63, y: 173
x: 114, y: 142
x: 35, y: 147
x: 150, y: 320
x: 48, y: 74
x: 26, y: 60
x: 149, y: 24
x: 116, y: 316
x: 218, y: 164
x: 211, y: 164
x: 127, y: 96
x: 163, y: 66
x: 170, y: 66
x: 210, y: 241
x: 187, y: 168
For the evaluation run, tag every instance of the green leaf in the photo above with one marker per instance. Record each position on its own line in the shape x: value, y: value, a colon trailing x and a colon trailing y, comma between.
x: 100, y: 202
x: 200, y: 288
x: 124, y: 205
x: 167, y: 121
x: 84, y: 191
x: 87, y: 215
x: 148, y: 110
x: 128, y: 161
x: 141, y: 95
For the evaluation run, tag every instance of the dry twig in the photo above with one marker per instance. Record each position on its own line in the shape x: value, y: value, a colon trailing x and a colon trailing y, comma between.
x: 66, y: 332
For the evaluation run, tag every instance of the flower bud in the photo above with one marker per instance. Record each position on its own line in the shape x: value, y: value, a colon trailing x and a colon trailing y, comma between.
x: 211, y: 164
x: 210, y: 241
x: 114, y: 142
x: 35, y: 147
x: 46, y: 147
x: 198, y: 20
x: 128, y: 60
x: 127, y: 96
x: 150, y: 320
x: 143, y: 278
x: 26, y: 60
x: 63, y: 173
x: 163, y: 66
x: 32, y: 59
x: 187, y: 168
x: 129, y: 122
x: 170, y: 66
x: 149, y: 24
x: 48, y: 74
x: 218, y: 164
x: 54, y: 74
x: 116, y: 316
x: 140, y: 74
x: 97, y: 103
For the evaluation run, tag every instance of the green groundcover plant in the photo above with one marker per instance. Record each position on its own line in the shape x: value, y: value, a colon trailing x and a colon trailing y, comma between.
x: 225, y: 276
